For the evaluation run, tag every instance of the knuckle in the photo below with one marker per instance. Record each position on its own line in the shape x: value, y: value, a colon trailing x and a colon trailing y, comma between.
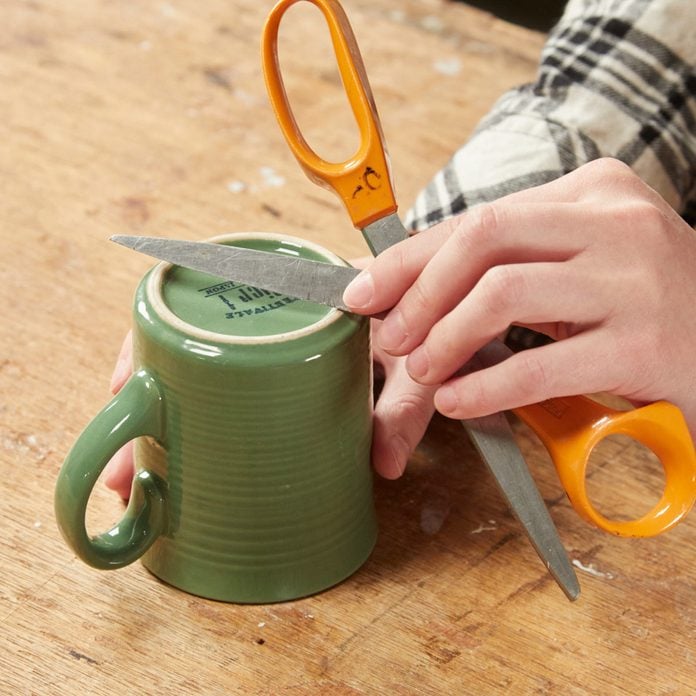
x: 479, y: 228
x: 533, y: 375
x: 645, y: 212
x: 396, y: 257
x: 409, y: 414
x: 474, y: 394
x: 443, y: 348
x: 610, y: 168
x: 419, y: 298
x: 641, y: 222
x: 502, y: 289
x: 653, y: 219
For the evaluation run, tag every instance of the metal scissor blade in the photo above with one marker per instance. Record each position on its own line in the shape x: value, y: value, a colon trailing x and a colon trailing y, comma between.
x: 304, y: 279
x: 384, y: 232
x: 493, y: 438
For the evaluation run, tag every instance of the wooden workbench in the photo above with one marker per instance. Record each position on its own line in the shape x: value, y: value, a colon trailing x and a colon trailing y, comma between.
x: 152, y: 118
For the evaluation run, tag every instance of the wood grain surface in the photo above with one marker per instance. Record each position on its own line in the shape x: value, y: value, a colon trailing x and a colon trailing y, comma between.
x: 152, y: 118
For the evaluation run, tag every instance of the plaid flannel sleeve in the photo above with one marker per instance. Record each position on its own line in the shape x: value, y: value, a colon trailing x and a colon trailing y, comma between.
x: 617, y: 78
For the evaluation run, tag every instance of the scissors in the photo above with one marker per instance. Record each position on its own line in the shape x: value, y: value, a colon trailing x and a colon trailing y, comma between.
x: 569, y: 427
x: 363, y: 182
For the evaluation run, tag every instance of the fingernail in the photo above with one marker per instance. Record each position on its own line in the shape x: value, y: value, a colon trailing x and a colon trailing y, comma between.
x: 392, y: 332
x: 418, y: 363
x: 446, y: 401
x: 360, y: 290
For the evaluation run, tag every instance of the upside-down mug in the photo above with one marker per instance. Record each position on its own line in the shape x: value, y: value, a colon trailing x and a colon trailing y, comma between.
x: 251, y: 414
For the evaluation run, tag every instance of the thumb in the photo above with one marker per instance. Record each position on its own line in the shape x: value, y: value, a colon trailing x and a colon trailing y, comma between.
x: 402, y: 413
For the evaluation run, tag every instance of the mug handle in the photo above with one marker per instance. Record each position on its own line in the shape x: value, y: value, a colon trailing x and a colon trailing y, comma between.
x: 136, y: 410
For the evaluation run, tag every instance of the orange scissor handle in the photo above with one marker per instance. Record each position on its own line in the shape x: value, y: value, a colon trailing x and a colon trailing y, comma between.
x: 363, y: 181
x: 570, y: 428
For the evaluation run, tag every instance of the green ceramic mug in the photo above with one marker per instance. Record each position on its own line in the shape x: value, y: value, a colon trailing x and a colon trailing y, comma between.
x: 251, y: 414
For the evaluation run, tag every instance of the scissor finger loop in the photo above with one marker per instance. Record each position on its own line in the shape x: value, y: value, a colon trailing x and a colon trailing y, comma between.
x: 571, y: 427
x: 362, y: 181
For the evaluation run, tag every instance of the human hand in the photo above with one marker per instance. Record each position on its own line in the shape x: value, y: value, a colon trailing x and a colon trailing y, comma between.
x: 596, y: 259
x: 118, y: 473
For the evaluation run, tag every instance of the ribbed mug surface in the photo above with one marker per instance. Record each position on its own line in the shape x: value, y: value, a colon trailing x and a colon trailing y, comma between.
x: 266, y: 443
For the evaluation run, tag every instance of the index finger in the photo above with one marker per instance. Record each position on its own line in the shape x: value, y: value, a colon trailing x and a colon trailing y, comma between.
x: 390, y: 274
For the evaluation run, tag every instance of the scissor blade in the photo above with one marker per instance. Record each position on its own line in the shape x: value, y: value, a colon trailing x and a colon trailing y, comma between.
x: 384, y: 232
x: 493, y: 438
x: 304, y: 279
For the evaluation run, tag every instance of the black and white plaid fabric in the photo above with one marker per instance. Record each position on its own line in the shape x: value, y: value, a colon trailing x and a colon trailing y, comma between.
x: 617, y: 78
